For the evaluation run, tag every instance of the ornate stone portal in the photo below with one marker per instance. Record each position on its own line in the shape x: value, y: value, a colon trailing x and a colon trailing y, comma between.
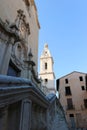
x: 13, y: 47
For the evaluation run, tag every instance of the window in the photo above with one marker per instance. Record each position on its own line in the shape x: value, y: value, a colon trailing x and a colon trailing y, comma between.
x: 46, y: 80
x: 70, y: 104
x: 85, y: 103
x: 66, y: 81
x: 45, y: 66
x: 13, y: 70
x: 81, y: 78
x: 67, y: 91
x: 83, y: 88
x: 57, y: 84
x: 71, y: 115
x: 45, y: 52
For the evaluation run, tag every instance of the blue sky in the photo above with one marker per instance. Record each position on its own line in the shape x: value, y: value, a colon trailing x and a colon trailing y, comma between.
x: 64, y: 27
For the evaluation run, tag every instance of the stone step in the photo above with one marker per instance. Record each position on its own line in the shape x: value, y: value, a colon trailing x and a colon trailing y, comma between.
x: 59, y: 123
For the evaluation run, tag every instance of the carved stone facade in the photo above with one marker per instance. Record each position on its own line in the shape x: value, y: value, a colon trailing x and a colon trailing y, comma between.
x: 19, y: 29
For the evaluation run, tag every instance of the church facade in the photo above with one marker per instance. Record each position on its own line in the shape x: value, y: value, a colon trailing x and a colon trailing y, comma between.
x: 23, y: 106
x: 19, y: 28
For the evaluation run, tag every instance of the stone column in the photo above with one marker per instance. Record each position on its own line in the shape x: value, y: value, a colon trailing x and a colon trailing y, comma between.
x: 25, y: 121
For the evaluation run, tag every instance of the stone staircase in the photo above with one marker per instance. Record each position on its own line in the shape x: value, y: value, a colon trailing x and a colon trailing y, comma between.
x: 59, y: 122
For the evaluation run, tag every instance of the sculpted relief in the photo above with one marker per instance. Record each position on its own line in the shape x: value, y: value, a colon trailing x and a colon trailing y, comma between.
x: 22, y: 25
x: 13, y: 42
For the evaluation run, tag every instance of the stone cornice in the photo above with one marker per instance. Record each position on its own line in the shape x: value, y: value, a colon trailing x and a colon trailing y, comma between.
x: 14, y: 89
x: 47, y: 57
x: 10, y: 95
x: 47, y: 73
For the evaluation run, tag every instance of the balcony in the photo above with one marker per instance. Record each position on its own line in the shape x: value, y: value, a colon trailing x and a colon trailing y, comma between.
x: 68, y: 91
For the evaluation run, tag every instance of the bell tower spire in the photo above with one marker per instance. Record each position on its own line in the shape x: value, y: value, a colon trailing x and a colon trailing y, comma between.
x: 46, y: 69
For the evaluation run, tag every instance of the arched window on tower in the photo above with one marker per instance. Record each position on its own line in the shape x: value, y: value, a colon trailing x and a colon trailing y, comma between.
x: 46, y: 80
x: 45, y: 65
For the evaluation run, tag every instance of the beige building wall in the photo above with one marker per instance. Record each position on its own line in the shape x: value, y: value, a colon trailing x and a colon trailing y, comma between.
x: 8, y: 14
x: 78, y: 94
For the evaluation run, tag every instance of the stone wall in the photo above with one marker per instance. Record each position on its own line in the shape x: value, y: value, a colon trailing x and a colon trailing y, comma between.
x: 38, y: 118
x: 10, y: 116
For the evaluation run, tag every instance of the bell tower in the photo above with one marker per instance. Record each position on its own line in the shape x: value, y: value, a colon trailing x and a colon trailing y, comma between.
x: 46, y: 70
